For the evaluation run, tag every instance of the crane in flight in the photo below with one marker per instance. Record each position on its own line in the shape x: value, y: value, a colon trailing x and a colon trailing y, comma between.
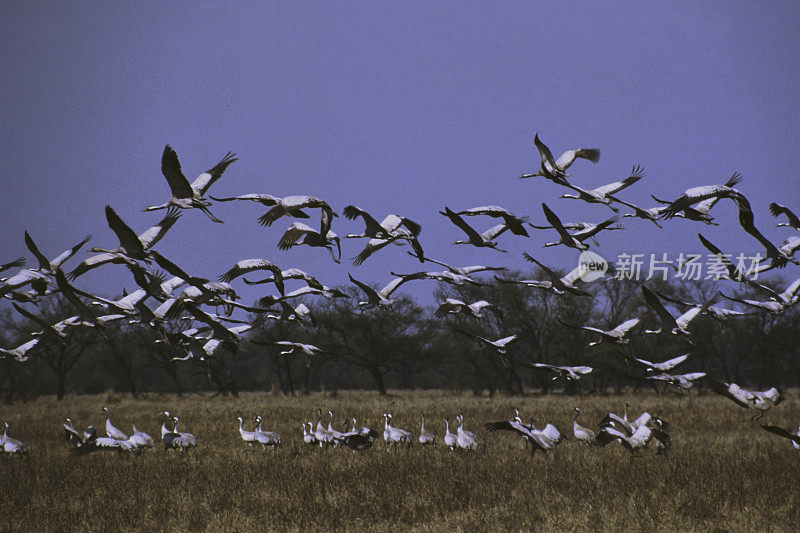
x: 481, y: 240
x: 184, y: 194
x: 555, y: 170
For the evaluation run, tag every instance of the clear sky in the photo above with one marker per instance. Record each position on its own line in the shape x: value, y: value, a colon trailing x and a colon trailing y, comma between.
x: 397, y: 107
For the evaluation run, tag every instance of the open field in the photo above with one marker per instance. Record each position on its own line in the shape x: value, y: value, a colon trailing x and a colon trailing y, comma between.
x: 722, y: 470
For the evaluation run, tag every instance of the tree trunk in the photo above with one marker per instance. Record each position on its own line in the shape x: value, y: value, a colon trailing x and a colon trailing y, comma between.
x: 306, y: 379
x: 378, y: 375
x: 289, y: 382
x: 131, y: 384
x: 62, y: 378
x: 172, y: 370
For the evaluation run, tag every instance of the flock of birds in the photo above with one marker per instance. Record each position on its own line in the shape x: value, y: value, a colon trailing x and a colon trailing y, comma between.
x: 184, y: 294
x: 633, y: 434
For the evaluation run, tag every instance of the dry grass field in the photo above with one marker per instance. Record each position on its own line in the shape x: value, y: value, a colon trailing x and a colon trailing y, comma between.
x: 722, y: 472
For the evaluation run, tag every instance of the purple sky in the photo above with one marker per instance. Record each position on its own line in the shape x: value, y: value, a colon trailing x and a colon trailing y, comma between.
x: 396, y: 107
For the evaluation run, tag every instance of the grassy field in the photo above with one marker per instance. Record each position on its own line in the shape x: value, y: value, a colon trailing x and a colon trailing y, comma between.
x: 722, y: 471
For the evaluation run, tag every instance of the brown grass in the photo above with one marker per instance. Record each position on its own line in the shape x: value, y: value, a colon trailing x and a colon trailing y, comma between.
x: 722, y: 471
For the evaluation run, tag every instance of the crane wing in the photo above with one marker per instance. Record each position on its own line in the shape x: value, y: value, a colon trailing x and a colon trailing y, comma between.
x: 458, y: 221
x: 556, y: 280
x: 246, y: 266
x: 778, y: 209
x: 556, y: 223
x: 372, y: 246
x: 16, y: 263
x: 746, y: 220
x: 733, y: 272
x: 44, y: 263
x: 373, y: 228
x: 171, y: 168
x: 205, y: 180
x: 653, y: 302
x: 67, y: 254
x: 594, y: 230
x: 372, y: 295
x: 152, y: 235
x: 544, y: 151
x: 568, y: 157
x: 671, y: 363
x: 782, y: 432
x: 127, y: 238
x: 293, y: 234
x: 636, y: 174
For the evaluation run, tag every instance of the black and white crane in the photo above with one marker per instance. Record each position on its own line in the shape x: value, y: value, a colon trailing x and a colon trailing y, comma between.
x: 266, y: 438
x: 20, y: 353
x: 380, y: 297
x: 300, y: 234
x: 465, y: 440
x: 111, y: 431
x: 148, y: 239
x: 570, y: 373
x: 248, y: 436
x: 461, y: 271
x: 245, y: 266
x: 514, y: 222
x: 426, y: 438
x: 184, y: 194
x: 618, y: 335
x: 12, y: 446
x: 582, y: 434
x: 664, y: 366
x: 480, y: 240
x: 499, y: 346
x: 636, y: 440
x: 449, y: 437
x: 454, y: 306
x: 670, y: 324
x: 557, y: 284
x: 555, y: 170
x: 605, y: 194
x: 761, y: 401
x: 696, y: 195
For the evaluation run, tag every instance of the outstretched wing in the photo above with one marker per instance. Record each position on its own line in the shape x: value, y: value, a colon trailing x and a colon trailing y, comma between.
x: 373, y: 227
x: 733, y: 272
x: 171, y: 168
x: 295, y: 233
x: 655, y: 304
x: 372, y: 246
x: 746, y: 220
x: 127, y: 238
x: 205, y: 180
x: 44, y: 263
x: 782, y: 432
x: 154, y: 234
x: 636, y: 174
x: 556, y: 223
x: 369, y: 291
x: 778, y: 209
x: 568, y: 157
x: 458, y: 221
x: 544, y: 151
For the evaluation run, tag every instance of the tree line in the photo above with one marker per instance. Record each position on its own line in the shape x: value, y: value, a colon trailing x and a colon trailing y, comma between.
x: 407, y: 347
